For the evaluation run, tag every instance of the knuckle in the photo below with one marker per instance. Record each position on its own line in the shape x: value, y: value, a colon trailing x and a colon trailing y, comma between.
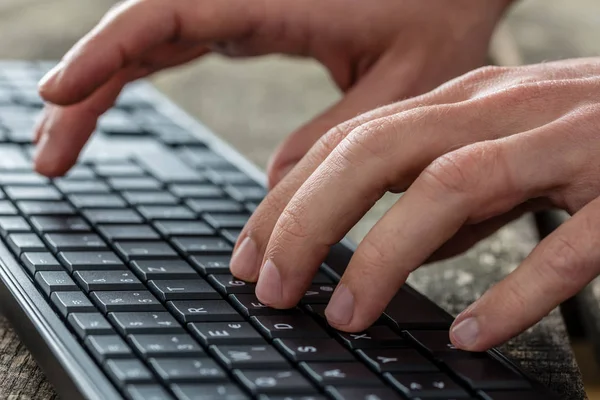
x: 485, y: 73
x: 563, y: 261
x: 372, y: 138
x: 290, y: 226
x: 461, y: 171
x: 330, y: 140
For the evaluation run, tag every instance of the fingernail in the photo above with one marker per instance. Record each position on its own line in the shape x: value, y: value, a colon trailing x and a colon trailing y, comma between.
x: 341, y: 306
x: 465, y: 332
x: 268, y: 287
x: 50, y: 77
x: 245, y: 259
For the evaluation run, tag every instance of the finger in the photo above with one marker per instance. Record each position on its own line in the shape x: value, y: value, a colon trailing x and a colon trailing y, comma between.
x: 379, y: 156
x: 136, y: 27
x: 65, y: 130
x: 387, y: 81
x: 561, y: 265
x: 249, y: 250
x: 471, y: 234
x: 472, y: 184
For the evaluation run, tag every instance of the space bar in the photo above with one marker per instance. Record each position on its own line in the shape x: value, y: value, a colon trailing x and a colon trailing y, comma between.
x: 167, y: 167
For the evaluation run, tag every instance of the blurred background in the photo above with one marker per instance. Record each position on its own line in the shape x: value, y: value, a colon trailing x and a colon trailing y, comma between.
x: 254, y: 104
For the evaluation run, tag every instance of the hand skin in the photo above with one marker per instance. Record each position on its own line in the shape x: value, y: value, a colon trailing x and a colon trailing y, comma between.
x: 376, y: 51
x: 470, y: 155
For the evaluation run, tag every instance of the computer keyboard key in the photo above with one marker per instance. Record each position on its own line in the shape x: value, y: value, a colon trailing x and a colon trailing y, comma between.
x: 147, y: 392
x: 362, y: 393
x: 45, y: 208
x: 32, y: 193
x: 320, y: 293
x: 226, y: 221
x: 184, y: 228
x: 22, y: 178
x: 58, y: 223
x: 168, y: 168
x: 374, y: 337
x: 103, y: 347
x: 89, y: 323
x: 228, y: 284
x: 274, y: 381
x: 119, y: 170
x: 321, y: 278
x: 128, y: 232
x: 192, y: 391
x: 246, y: 193
x: 163, y: 269
x: 436, y: 342
x: 192, y: 370
x: 90, y: 260
x: 208, y: 265
x: 302, y: 349
x: 123, y: 372
x: 174, y: 345
x: 231, y: 234
x: 40, y: 261
x: 220, y: 177
x: 214, y: 205
x: 485, y: 373
x: 13, y: 158
x: 513, y: 395
x: 68, y: 186
x: 259, y: 356
x: 250, y: 306
x: 199, y: 191
x: 7, y: 208
x: 149, y: 197
x: 97, y: 201
x: 145, y: 250
x: 204, y: 158
x: 396, y: 360
x: 288, y: 326
x: 68, y: 302
x: 22, y: 242
x: 145, y: 322
x: 203, y: 311
x: 293, y: 397
x: 110, y: 216
x: 79, y: 173
x: 340, y: 374
x: 427, y: 386
x: 74, y: 242
x: 13, y: 225
x: 183, y: 289
x: 107, y: 280
x: 225, y: 333
x: 202, y: 245
x: 138, y: 183
x: 140, y: 300
x: 175, y: 212
x: 53, y: 281
x: 410, y: 311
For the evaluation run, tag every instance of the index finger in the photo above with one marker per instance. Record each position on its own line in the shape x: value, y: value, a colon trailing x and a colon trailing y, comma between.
x: 135, y: 27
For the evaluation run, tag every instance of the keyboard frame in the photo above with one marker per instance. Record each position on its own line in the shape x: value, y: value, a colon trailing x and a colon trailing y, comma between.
x: 67, y: 365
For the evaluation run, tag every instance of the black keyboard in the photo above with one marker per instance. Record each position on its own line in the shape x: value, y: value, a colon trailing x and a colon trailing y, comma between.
x: 117, y: 278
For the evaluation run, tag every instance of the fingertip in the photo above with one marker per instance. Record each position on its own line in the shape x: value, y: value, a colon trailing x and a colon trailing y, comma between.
x: 244, y: 261
x: 466, y: 334
x: 49, y: 160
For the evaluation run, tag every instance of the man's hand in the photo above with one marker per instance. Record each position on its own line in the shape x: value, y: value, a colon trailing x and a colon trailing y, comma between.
x: 377, y: 52
x: 471, y: 155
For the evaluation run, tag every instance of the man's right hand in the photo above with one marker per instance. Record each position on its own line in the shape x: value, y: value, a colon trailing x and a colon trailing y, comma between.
x: 377, y: 52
